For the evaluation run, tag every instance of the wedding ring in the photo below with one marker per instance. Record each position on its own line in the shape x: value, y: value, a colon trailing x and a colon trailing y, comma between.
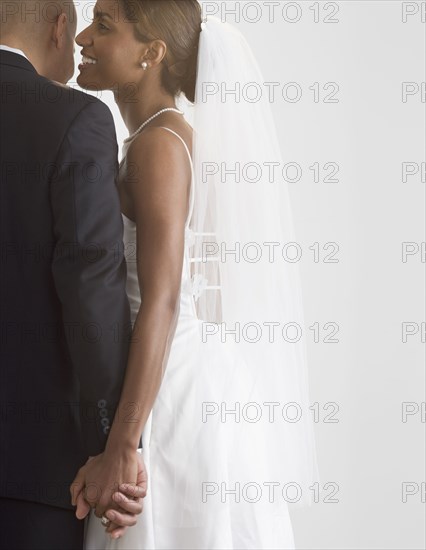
x: 105, y: 521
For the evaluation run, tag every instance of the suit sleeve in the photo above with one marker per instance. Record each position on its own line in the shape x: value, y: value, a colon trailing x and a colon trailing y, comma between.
x: 89, y: 269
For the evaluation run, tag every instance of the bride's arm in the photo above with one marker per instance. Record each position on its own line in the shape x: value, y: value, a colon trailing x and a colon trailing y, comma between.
x: 159, y: 180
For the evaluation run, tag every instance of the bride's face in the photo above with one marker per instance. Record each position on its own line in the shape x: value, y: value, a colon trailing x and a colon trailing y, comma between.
x: 112, y: 55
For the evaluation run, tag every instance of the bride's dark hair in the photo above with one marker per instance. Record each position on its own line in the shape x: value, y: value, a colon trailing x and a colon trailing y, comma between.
x: 178, y: 24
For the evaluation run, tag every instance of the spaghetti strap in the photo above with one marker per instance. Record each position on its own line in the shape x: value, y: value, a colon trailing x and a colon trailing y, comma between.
x: 182, y: 140
x: 191, y: 199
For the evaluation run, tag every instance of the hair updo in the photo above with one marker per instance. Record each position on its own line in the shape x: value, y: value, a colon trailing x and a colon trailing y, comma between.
x: 178, y: 24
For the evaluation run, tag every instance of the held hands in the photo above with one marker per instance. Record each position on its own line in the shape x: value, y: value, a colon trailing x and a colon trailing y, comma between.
x: 114, y: 484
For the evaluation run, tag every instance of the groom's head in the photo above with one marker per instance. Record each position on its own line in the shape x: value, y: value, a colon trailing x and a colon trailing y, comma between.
x: 44, y: 30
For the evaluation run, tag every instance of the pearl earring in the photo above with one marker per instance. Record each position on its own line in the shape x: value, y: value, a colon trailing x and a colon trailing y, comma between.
x: 144, y: 65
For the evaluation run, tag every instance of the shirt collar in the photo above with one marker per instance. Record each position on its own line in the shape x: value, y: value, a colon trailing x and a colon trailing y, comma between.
x: 13, y: 50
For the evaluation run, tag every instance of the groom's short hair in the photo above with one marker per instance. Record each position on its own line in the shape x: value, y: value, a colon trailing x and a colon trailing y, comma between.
x: 16, y: 15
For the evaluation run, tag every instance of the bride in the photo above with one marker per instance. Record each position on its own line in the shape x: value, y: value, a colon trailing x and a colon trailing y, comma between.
x: 216, y: 376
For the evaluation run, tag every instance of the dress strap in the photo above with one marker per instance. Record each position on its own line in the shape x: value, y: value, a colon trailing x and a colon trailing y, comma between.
x: 191, y: 194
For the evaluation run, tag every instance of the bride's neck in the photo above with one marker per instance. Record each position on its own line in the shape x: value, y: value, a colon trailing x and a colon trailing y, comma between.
x: 137, y: 106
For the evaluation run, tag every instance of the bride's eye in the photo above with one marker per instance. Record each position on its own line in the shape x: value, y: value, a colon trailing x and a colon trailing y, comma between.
x: 103, y: 27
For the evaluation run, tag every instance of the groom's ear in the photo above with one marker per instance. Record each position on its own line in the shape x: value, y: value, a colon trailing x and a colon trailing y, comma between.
x: 155, y: 53
x: 59, y: 30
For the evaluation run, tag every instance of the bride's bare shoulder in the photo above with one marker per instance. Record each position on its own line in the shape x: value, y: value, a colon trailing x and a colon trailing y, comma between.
x: 157, y: 148
x: 158, y: 177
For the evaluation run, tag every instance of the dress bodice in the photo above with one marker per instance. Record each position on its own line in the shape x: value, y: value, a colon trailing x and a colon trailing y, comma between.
x: 189, y: 288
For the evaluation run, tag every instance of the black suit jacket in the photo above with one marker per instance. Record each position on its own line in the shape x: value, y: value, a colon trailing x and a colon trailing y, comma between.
x: 65, y: 319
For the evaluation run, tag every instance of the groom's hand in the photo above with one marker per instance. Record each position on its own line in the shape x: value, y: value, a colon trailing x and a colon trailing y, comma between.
x: 130, y: 502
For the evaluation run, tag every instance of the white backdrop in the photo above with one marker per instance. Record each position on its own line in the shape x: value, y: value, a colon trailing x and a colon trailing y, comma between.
x: 349, y: 104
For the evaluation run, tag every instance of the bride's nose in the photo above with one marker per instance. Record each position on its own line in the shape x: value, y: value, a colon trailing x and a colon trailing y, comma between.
x: 84, y: 38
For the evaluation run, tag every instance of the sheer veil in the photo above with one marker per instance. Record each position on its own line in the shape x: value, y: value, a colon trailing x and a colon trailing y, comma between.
x: 249, y: 297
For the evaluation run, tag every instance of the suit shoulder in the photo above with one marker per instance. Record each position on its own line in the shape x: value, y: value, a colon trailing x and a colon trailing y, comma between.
x: 75, y: 100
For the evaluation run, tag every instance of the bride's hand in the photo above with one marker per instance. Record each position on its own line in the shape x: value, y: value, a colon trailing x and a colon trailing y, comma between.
x: 129, y: 498
x: 103, y: 476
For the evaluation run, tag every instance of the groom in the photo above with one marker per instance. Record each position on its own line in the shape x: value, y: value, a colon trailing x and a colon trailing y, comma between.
x: 64, y: 311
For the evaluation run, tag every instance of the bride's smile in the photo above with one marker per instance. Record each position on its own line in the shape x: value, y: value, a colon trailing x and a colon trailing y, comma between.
x: 86, y: 61
x: 111, y: 51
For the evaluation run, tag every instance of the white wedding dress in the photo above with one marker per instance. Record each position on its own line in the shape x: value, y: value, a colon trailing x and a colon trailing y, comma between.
x: 203, y: 490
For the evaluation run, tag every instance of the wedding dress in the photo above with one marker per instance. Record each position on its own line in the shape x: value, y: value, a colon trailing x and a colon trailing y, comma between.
x: 181, y: 452
x: 229, y: 442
